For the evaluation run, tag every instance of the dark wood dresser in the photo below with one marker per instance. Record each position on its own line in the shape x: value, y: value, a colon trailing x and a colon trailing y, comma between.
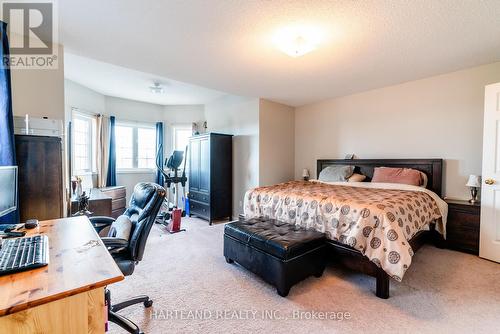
x: 210, y: 176
x: 118, y: 196
x: 39, y: 160
x: 462, y: 229
x: 109, y: 201
x: 99, y: 204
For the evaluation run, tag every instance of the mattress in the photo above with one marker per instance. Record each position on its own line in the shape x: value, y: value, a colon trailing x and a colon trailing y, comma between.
x: 377, y: 219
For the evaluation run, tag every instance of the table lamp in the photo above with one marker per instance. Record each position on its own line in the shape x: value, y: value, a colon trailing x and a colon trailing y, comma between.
x: 474, y: 183
x: 305, y: 174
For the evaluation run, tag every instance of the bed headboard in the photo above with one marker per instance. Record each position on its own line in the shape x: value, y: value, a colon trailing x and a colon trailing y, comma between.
x: 433, y: 168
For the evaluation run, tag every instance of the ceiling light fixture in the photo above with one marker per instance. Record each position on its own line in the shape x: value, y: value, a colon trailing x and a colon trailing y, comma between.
x: 157, y: 88
x: 297, y: 40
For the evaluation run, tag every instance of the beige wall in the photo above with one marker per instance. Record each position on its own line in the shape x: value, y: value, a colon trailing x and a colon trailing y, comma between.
x: 238, y: 116
x: 134, y: 111
x: 78, y: 96
x: 39, y: 93
x: 437, y: 117
x: 263, y: 145
x: 276, y: 142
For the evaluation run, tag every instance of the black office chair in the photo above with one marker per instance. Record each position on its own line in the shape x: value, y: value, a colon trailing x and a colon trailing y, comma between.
x: 143, y: 209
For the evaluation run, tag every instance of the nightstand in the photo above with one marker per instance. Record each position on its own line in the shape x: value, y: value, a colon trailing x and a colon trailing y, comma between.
x: 462, y: 228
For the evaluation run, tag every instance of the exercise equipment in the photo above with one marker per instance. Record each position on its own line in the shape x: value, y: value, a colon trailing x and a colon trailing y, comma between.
x: 174, y: 225
x: 171, y: 212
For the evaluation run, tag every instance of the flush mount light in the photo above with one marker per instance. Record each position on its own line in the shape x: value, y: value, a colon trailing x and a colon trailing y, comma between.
x: 156, y: 88
x: 297, y: 40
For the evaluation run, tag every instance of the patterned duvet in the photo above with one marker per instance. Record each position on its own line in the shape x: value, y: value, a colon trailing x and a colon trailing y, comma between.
x: 377, y: 222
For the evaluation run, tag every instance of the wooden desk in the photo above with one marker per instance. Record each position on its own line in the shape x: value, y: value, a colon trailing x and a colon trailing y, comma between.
x: 67, y: 296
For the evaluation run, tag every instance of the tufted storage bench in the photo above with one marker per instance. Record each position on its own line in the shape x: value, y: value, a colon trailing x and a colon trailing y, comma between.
x: 280, y: 253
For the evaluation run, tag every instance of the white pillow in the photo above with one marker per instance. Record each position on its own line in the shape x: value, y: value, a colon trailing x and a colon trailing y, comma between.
x: 336, y: 173
x: 121, y: 228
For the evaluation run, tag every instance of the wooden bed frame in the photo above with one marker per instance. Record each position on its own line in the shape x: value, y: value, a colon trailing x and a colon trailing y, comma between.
x: 354, y: 259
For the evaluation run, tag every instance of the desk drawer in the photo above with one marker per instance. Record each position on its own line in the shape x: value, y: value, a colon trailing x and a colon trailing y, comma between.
x: 118, y: 204
x: 117, y: 213
x: 101, y: 207
x: 199, y: 209
x: 200, y: 197
x: 115, y: 192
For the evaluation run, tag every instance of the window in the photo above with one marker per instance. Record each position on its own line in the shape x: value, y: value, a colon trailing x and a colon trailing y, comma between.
x: 146, y: 144
x: 124, y: 146
x: 83, y: 143
x: 181, y: 137
x: 135, y: 146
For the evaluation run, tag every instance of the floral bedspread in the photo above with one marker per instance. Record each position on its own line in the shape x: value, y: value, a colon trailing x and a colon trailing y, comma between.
x: 377, y: 222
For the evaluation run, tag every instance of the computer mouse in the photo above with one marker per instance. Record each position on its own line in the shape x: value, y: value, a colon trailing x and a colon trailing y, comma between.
x: 31, y: 223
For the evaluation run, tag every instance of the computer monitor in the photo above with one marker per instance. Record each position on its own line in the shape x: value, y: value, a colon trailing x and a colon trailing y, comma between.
x: 8, y: 189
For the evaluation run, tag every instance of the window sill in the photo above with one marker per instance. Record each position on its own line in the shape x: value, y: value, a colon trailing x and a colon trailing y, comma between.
x: 84, y: 173
x: 136, y: 171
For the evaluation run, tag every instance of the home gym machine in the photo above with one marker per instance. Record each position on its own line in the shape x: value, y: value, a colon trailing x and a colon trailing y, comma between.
x: 170, y: 213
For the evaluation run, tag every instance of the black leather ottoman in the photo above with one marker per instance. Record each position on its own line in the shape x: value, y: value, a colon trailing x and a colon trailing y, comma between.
x: 280, y: 253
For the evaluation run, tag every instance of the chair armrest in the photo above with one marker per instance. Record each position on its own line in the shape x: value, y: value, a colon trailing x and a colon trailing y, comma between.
x: 100, y: 222
x: 114, y: 245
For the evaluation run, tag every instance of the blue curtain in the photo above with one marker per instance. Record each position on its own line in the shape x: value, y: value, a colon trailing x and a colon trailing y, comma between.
x: 111, y: 179
x: 159, y: 150
x: 7, y: 144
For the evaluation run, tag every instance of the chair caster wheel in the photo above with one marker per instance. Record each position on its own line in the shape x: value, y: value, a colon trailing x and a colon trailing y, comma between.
x: 228, y: 260
x: 148, y: 303
x: 283, y: 292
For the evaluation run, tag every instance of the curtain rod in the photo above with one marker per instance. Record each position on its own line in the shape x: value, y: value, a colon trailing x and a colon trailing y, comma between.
x: 84, y: 111
x: 118, y: 119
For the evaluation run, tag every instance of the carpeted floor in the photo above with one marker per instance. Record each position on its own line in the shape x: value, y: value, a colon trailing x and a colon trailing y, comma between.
x: 196, y: 291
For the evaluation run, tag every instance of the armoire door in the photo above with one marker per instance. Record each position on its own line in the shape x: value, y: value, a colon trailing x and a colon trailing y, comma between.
x: 194, y: 167
x: 489, y: 241
x: 205, y: 164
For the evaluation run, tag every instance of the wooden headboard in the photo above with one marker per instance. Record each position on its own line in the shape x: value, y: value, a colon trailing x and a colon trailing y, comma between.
x: 433, y: 168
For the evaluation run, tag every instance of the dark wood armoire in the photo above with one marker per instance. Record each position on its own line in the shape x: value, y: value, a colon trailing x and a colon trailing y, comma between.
x: 39, y: 161
x: 211, y: 176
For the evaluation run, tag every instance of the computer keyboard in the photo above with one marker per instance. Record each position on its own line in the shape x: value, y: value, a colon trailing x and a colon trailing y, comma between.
x: 24, y: 254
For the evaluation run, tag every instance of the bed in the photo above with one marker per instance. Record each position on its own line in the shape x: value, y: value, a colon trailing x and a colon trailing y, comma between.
x: 372, y: 228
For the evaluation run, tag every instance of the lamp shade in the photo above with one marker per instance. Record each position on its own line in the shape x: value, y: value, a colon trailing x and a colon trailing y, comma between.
x: 305, y: 172
x: 474, y: 181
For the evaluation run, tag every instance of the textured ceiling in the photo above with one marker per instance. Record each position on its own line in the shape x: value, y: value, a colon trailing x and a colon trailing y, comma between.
x: 225, y: 44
